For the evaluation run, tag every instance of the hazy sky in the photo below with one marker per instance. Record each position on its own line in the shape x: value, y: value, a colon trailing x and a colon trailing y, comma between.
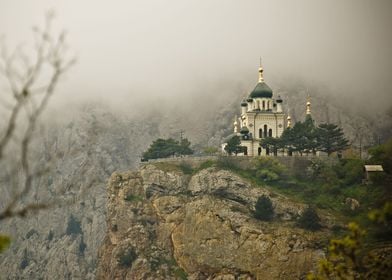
x: 131, y: 49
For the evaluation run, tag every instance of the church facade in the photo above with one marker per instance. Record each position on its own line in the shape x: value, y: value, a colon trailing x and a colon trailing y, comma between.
x: 262, y: 116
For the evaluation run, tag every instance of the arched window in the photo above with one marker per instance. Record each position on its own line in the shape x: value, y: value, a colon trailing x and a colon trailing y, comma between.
x: 260, y: 133
x: 270, y: 132
x: 258, y: 104
x: 263, y: 105
x: 268, y: 105
x: 265, y: 131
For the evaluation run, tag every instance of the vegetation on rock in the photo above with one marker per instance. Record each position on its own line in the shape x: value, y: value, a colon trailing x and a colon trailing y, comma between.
x: 163, y: 148
x: 349, y: 258
x: 234, y: 146
x: 73, y: 226
x: 264, y: 209
x: 309, y: 219
x: 127, y: 257
x: 305, y: 137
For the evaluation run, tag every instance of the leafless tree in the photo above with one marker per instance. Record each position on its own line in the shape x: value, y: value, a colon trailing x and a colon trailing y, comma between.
x: 32, y: 79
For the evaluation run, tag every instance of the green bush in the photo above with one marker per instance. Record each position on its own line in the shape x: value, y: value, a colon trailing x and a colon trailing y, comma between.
x: 127, y: 257
x: 349, y: 171
x: 267, y: 175
x: 82, y: 247
x: 206, y: 164
x: 264, y: 208
x: 309, y: 219
x: 74, y: 226
x: 5, y: 242
x: 185, y: 167
x: 268, y: 169
x: 225, y: 162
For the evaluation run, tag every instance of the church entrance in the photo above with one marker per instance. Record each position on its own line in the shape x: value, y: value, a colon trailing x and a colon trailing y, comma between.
x: 259, y: 151
x: 245, y: 151
x: 267, y: 151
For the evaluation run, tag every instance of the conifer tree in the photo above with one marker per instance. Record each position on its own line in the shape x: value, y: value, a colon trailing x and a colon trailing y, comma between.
x: 264, y: 208
x: 234, y: 146
x: 330, y: 138
x: 272, y: 143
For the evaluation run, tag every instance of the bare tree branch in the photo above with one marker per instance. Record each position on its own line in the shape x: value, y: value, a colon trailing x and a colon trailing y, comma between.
x: 48, y: 51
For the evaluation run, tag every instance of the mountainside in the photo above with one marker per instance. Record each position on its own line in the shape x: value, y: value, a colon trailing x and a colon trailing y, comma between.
x: 164, y: 224
x: 94, y: 143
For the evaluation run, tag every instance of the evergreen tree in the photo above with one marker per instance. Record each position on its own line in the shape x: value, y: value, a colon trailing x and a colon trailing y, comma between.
x: 162, y: 148
x: 294, y: 139
x: 234, y: 146
x: 287, y: 140
x: 184, y: 148
x: 272, y: 143
x: 264, y: 208
x: 310, y: 132
x: 309, y: 219
x: 330, y: 138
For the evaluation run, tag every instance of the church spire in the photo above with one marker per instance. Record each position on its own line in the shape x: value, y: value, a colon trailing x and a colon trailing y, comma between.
x: 235, y: 124
x: 308, y: 112
x: 261, y: 78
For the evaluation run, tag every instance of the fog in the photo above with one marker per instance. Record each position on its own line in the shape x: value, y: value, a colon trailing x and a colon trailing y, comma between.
x: 135, y: 53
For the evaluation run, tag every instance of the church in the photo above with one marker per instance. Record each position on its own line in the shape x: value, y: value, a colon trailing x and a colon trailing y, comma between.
x: 261, y: 116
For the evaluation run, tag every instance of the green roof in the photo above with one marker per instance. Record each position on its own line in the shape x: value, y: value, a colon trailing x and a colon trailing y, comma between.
x: 261, y: 90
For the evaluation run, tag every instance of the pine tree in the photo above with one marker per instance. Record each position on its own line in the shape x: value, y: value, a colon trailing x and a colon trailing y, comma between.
x: 309, y: 219
x: 330, y: 138
x: 264, y: 208
x: 234, y: 146
x: 272, y: 143
x: 162, y: 148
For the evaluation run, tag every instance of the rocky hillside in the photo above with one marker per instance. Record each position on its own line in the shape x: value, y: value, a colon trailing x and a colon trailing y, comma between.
x: 164, y: 224
x: 63, y: 242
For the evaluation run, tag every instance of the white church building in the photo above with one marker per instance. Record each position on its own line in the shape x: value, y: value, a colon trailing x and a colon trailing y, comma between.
x: 261, y: 116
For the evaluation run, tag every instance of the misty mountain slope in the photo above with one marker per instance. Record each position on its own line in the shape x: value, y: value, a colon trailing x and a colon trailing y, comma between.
x: 96, y: 141
x: 62, y: 242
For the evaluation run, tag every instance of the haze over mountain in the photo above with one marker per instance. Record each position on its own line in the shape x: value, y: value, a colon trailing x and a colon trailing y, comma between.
x: 133, y: 53
x: 149, y: 69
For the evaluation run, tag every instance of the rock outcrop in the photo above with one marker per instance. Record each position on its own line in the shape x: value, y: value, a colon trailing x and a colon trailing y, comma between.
x: 168, y: 225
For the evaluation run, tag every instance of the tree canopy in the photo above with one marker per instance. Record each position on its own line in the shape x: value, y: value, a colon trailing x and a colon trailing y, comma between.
x: 306, y: 137
x: 234, y: 146
x: 163, y: 148
x: 330, y: 138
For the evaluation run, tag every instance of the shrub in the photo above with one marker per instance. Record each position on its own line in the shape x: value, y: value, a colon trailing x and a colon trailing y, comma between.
x: 349, y: 171
x: 50, y: 235
x: 206, y: 164
x: 127, y: 257
x: 225, y: 162
x: 309, y: 219
x: 185, y: 167
x: 73, y: 226
x: 264, y: 209
x: 82, y: 247
x: 268, y: 169
x: 25, y: 261
x: 267, y: 175
x: 5, y: 242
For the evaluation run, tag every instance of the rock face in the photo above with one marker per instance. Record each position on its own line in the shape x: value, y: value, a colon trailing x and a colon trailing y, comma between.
x: 177, y: 226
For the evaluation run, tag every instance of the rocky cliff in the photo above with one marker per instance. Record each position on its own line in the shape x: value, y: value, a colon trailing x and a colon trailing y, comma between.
x: 163, y: 224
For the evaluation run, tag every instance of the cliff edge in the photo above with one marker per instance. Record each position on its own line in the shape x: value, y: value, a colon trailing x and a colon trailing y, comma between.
x: 164, y: 224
